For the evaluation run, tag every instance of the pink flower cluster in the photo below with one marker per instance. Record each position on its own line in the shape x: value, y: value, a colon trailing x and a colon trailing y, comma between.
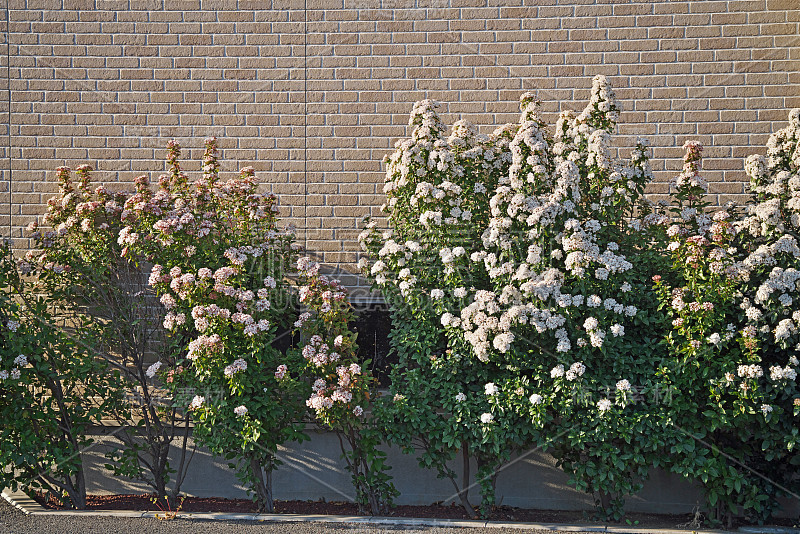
x: 307, y: 267
x: 171, y: 320
x: 239, y: 365
x: 326, y: 395
x: 202, y: 315
x: 186, y: 283
x: 183, y: 284
x: 319, y: 402
x: 157, y: 275
x: 205, y: 345
x: 280, y: 372
x: 339, y: 385
x: 690, y: 176
x: 222, y: 274
x: 346, y: 373
x: 319, y: 292
x: 212, y: 310
x: 319, y: 353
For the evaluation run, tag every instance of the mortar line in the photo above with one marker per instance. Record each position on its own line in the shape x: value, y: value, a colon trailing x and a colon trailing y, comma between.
x: 305, y: 126
x: 8, y: 124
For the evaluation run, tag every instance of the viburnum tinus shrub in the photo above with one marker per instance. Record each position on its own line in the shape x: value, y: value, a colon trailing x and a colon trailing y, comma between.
x: 438, y: 201
x: 698, y: 295
x: 79, y: 263
x: 769, y: 404
x: 220, y: 263
x: 342, y: 385
x: 525, y: 321
x: 733, y: 364
x: 52, y: 389
x: 570, y: 307
x: 751, y: 419
x: 769, y: 245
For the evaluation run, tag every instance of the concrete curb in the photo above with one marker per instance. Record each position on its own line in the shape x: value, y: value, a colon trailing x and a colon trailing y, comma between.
x: 22, y: 502
x: 30, y: 507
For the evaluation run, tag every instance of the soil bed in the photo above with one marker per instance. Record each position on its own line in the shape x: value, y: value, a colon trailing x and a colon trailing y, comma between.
x: 500, y: 513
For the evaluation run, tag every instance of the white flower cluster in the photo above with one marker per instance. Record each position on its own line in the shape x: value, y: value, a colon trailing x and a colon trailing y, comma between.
x: 777, y: 373
x: 604, y: 405
x: 197, y: 402
x: 575, y: 370
x: 239, y: 365
x: 771, y: 269
x: 15, y: 373
x: 545, y: 228
x: 603, y: 98
x: 582, y: 251
x: 750, y: 371
x: 153, y: 369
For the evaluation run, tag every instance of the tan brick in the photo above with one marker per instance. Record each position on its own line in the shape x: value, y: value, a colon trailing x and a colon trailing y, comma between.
x: 629, y: 45
x: 703, y: 31
x: 669, y: 32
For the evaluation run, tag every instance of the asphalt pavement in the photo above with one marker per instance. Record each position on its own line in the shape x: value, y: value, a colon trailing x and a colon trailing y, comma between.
x: 12, y: 521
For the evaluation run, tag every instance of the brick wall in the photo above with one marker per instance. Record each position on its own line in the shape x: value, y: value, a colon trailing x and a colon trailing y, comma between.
x: 314, y: 94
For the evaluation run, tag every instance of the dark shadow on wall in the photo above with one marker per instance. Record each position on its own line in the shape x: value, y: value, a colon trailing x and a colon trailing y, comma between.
x: 373, y: 325
x: 373, y: 322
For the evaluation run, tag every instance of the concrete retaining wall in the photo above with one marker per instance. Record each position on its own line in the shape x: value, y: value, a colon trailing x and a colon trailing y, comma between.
x: 314, y: 471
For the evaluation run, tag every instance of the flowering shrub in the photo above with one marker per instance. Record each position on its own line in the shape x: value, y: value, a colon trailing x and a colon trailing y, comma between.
x: 769, y: 239
x: 341, y: 386
x: 698, y: 296
x: 541, y: 292
x: 768, y: 406
x: 753, y: 423
x: 79, y: 263
x: 219, y: 266
x: 732, y: 317
x: 438, y: 201
x: 569, y: 305
x: 51, y: 390
x: 528, y: 277
x: 539, y: 302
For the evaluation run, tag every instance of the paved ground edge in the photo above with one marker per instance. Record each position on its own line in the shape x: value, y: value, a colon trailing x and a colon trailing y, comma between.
x: 22, y: 502
x: 28, y: 506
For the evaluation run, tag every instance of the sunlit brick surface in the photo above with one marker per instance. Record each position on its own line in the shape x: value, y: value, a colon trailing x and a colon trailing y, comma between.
x: 314, y: 94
